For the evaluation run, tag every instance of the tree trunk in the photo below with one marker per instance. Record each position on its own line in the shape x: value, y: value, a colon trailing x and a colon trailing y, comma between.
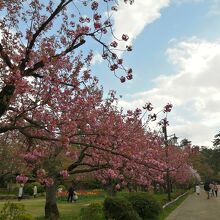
x: 51, y: 210
x: 111, y: 190
x: 5, y: 97
x: 129, y: 187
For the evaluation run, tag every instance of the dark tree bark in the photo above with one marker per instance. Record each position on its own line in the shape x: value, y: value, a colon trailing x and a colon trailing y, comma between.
x: 51, y: 210
x: 5, y: 96
x: 111, y: 190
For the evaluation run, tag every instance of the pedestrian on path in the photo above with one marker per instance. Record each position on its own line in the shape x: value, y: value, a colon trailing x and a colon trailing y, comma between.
x: 211, y: 185
x: 75, y: 196
x: 207, y: 189
x: 197, y: 189
x: 216, y: 189
x: 20, y: 192
x: 35, y: 191
x: 71, y: 191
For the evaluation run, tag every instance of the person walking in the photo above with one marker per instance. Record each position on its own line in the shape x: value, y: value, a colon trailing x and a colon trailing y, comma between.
x: 197, y: 189
x: 207, y: 189
x: 216, y: 189
x: 71, y: 191
x: 211, y: 185
x: 75, y: 196
x: 35, y: 191
x: 20, y: 192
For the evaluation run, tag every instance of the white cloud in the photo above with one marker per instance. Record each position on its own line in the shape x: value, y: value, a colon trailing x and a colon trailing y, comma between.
x: 132, y: 19
x: 194, y: 90
x: 97, y: 58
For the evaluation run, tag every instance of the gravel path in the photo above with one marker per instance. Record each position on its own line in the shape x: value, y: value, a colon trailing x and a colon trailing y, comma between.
x: 197, y: 207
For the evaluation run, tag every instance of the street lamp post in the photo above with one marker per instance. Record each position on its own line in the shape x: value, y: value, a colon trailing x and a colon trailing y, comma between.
x: 173, y: 142
x: 167, y: 169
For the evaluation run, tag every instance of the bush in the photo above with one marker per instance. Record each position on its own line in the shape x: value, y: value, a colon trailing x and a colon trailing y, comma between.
x: 62, y: 187
x: 88, y: 183
x: 14, y: 211
x: 24, y: 216
x: 28, y: 188
x: 93, y: 211
x: 145, y: 205
x: 119, y: 209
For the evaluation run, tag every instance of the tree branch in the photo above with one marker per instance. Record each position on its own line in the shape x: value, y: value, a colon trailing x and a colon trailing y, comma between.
x: 38, y: 32
x: 5, y: 58
x: 41, y: 64
x: 80, y: 159
x: 5, y: 97
x: 87, y: 170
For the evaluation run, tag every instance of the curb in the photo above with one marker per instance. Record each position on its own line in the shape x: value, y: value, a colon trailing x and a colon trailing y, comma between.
x: 169, y: 203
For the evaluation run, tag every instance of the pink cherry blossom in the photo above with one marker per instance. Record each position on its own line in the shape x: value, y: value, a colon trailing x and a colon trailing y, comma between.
x: 64, y: 173
x: 21, y: 179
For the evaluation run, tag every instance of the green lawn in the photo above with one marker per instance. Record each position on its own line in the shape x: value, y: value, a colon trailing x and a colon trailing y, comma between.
x: 67, y: 210
x: 166, y: 211
x: 163, y: 198
x: 70, y: 211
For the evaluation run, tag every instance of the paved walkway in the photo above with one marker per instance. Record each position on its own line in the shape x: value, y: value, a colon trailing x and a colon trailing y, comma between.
x: 197, y: 207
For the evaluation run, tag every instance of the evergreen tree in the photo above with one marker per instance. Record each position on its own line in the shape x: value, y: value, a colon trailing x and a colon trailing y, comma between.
x: 185, y: 142
x: 216, y: 142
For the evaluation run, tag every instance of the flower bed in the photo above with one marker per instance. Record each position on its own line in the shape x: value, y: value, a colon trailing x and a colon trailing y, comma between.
x: 82, y: 195
x: 62, y: 196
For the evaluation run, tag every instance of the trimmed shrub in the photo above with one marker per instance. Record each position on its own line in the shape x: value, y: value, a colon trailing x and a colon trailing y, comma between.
x: 145, y: 205
x: 14, y: 211
x: 62, y: 187
x: 28, y: 188
x: 24, y: 216
x: 119, y: 209
x: 93, y: 211
x: 88, y: 183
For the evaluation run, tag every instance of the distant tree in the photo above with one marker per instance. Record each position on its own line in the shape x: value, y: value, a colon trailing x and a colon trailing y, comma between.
x: 10, y: 163
x: 216, y: 141
x: 200, y: 162
x: 215, y: 156
x: 185, y: 142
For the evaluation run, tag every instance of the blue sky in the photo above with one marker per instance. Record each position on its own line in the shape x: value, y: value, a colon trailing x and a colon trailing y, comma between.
x: 175, y: 59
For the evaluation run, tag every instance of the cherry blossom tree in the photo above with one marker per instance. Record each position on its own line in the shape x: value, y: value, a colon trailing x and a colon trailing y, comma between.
x: 178, y: 164
x: 148, y: 165
x: 148, y: 161
x: 132, y: 173
x: 49, y: 99
x: 51, y: 104
x: 10, y: 163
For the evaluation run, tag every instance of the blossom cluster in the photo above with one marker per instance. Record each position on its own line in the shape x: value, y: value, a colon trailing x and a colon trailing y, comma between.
x: 64, y: 173
x: 21, y: 179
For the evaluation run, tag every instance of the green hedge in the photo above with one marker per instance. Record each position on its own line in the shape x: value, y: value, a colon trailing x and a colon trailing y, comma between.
x: 14, y: 211
x: 128, y: 206
x: 145, y: 205
x: 88, y: 183
x: 119, y: 209
x: 28, y: 188
x: 93, y: 211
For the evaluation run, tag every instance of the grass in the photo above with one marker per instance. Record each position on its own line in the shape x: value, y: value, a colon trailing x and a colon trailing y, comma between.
x: 166, y: 211
x: 163, y: 198
x: 32, y: 206
x: 171, y: 207
x: 70, y: 211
